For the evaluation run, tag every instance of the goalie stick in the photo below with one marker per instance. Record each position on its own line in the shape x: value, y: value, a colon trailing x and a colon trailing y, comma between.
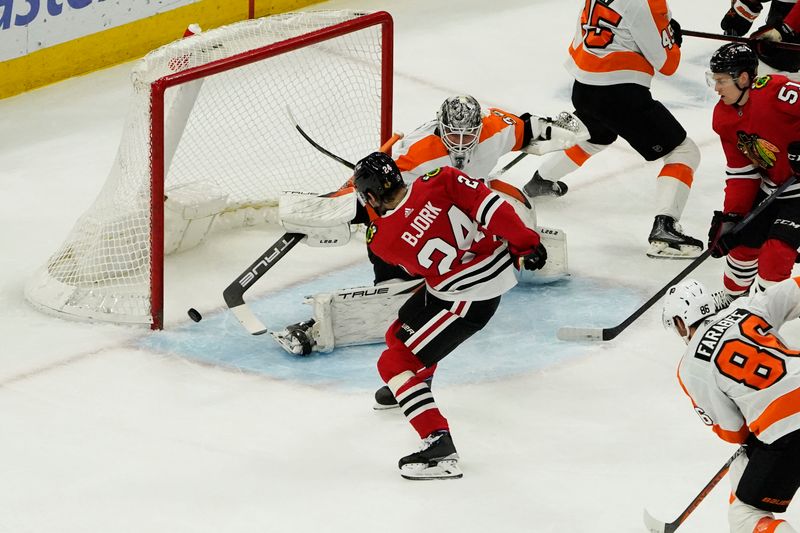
x: 657, y: 526
x: 745, y: 40
x: 568, y: 333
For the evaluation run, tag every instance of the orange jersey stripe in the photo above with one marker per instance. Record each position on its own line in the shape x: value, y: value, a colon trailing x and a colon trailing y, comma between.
x: 497, y: 120
x: 659, y: 10
x: 797, y: 281
x: 679, y: 171
x: 427, y: 149
x: 612, y: 62
x: 734, y: 437
x: 577, y: 154
x: 780, y: 408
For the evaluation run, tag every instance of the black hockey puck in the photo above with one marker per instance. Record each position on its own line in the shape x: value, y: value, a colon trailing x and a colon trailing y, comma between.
x: 194, y: 315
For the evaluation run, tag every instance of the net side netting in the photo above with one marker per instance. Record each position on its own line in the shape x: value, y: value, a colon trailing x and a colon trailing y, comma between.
x: 230, y: 130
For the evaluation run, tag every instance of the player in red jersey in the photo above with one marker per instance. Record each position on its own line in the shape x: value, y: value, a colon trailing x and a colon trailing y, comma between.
x: 465, y: 241
x: 757, y: 120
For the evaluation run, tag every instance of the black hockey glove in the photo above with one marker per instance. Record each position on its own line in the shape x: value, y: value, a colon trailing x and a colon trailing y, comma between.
x: 677, y: 34
x: 739, y: 18
x: 533, y: 260
x: 720, y: 239
x: 793, y: 153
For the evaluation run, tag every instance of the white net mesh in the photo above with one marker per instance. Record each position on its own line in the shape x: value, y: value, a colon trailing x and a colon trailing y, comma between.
x: 229, y: 130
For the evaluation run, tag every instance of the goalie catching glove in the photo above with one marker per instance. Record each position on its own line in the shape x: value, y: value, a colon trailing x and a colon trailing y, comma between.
x: 550, y: 135
x: 533, y: 260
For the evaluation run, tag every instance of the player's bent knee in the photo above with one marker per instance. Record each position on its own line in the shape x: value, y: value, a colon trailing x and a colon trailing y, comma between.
x: 686, y: 153
x: 743, y: 518
x: 397, y: 360
x: 776, y: 260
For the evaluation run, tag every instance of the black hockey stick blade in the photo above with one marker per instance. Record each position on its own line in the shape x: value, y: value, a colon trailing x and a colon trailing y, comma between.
x: 315, y: 144
x: 745, y: 40
x: 657, y: 526
x: 568, y: 333
x: 234, y: 293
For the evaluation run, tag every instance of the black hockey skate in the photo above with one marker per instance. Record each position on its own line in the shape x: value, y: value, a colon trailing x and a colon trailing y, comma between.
x: 668, y: 242
x: 384, y: 399
x: 538, y: 186
x: 437, y: 459
x: 297, y: 338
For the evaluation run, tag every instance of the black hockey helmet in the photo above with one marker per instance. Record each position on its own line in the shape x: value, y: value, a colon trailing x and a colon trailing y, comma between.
x: 378, y: 175
x: 733, y: 59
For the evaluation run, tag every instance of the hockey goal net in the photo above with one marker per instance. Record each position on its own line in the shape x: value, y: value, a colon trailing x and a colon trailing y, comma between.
x: 209, y: 112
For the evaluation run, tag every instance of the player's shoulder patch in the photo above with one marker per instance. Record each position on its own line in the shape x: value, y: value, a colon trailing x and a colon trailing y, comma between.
x: 761, y: 81
x: 371, y: 231
x: 431, y: 174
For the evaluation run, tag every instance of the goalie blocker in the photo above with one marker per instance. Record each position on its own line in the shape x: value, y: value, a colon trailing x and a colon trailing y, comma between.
x: 361, y: 315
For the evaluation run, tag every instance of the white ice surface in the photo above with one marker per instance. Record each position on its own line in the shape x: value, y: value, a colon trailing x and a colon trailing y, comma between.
x: 100, y: 433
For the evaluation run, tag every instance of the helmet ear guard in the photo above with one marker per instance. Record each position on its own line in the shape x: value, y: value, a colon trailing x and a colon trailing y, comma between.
x: 460, y: 124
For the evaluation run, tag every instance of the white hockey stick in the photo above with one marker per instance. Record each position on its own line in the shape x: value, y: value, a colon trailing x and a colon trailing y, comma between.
x: 657, y: 526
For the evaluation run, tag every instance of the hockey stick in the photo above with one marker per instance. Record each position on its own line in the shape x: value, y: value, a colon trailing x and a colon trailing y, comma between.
x: 745, y: 40
x: 657, y: 526
x: 568, y: 333
x: 385, y: 147
x: 234, y: 293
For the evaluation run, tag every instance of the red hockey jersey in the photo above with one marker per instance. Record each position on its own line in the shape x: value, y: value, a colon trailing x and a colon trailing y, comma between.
x: 755, y: 137
x: 452, y: 231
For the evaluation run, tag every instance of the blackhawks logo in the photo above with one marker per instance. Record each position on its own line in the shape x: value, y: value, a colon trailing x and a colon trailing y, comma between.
x: 760, y: 151
x: 431, y: 174
x: 371, y: 231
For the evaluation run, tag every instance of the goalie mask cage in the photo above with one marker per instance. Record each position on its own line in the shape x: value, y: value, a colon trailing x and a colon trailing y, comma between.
x: 211, y: 108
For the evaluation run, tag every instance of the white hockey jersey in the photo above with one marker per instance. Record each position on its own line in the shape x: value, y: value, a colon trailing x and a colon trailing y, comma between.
x: 623, y: 41
x: 738, y: 371
x: 422, y: 151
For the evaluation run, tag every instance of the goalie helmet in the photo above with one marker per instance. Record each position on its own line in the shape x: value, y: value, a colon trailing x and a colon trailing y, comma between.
x: 733, y: 59
x: 690, y: 301
x: 460, y: 124
x: 377, y: 174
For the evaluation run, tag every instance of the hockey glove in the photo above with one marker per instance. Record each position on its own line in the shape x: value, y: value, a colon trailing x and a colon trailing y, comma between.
x: 677, y: 34
x: 793, y: 153
x: 533, y: 260
x: 720, y: 238
x: 740, y: 17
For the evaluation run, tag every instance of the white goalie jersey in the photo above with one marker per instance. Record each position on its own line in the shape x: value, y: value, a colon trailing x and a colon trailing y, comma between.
x: 738, y: 371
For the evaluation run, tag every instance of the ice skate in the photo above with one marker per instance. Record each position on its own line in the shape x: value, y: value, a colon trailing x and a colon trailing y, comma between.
x: 668, y: 242
x: 538, y: 186
x: 297, y: 338
x: 437, y: 459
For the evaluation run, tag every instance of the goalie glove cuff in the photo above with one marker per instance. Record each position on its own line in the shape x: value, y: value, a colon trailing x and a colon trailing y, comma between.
x: 550, y: 135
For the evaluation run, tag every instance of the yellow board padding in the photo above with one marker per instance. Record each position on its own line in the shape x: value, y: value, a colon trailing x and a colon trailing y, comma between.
x: 127, y: 42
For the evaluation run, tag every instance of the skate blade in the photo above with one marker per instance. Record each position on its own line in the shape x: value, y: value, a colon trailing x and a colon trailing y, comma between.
x: 662, y: 250
x: 444, y: 469
x: 382, y: 407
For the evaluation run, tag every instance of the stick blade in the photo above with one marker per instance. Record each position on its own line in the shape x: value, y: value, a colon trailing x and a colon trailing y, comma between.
x: 568, y: 333
x: 652, y: 524
x: 250, y: 321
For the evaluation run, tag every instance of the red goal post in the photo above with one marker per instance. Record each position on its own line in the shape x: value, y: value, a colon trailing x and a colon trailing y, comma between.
x: 208, y: 114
